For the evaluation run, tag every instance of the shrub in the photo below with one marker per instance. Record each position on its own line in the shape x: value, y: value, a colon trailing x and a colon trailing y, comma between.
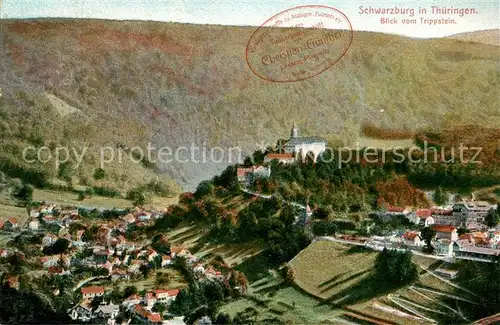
x: 99, y: 174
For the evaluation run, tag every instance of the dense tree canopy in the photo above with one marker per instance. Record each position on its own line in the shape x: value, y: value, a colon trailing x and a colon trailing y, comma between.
x: 484, y: 280
x: 19, y: 307
x: 395, y: 267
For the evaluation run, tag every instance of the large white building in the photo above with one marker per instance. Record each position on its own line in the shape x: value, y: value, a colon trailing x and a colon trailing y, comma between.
x: 304, y: 146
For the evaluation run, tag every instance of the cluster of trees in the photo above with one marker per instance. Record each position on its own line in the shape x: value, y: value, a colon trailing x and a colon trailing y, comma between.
x: 143, y: 194
x: 21, y: 307
x: 205, y: 293
x: 23, y: 193
x: 493, y: 218
x: 482, y: 279
x: 324, y: 228
x: 459, y: 177
x: 395, y: 268
x: 266, y: 219
x: 60, y: 246
x: 117, y: 295
x: 269, y: 220
x: 351, y: 186
x: 379, y: 227
x: 428, y: 234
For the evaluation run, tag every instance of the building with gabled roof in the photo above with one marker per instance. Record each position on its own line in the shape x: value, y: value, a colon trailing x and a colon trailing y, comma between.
x: 82, y: 311
x: 471, y: 214
x: 10, y: 224
x: 91, y: 292
x: 303, y: 146
x: 411, y: 238
x: 282, y: 158
x: 106, y: 311
x: 132, y: 300
x: 445, y: 232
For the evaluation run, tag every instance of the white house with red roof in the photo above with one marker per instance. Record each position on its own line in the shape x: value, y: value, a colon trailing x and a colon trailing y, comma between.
x: 394, y: 210
x: 245, y: 174
x: 160, y: 296
x: 446, y: 232
x: 151, y: 254
x: 174, y: 250
x: 212, y: 273
x: 91, y: 292
x: 283, y: 158
x: 154, y: 318
x: 304, y: 146
x: 422, y: 217
x: 150, y: 299
x: 49, y: 261
x: 199, y: 269
x: 34, y: 224
x: 172, y: 295
x: 411, y: 238
x: 147, y: 316
x: 166, y: 260
x: 132, y: 300
x: 119, y: 274
x: 10, y: 224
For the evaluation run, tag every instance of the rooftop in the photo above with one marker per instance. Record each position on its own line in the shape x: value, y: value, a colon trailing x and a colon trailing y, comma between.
x: 108, y: 309
x: 481, y: 250
x: 89, y: 290
x: 443, y: 228
x: 279, y: 156
x: 301, y: 140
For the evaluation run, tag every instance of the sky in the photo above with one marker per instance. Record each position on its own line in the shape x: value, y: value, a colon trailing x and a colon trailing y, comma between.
x: 255, y: 12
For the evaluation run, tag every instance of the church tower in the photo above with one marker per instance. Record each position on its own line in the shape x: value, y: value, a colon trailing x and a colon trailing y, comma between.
x: 295, y: 132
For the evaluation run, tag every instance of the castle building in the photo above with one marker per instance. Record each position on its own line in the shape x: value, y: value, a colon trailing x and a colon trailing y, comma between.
x: 304, y: 146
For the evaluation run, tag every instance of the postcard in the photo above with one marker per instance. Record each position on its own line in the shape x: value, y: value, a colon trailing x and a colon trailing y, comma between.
x: 249, y: 162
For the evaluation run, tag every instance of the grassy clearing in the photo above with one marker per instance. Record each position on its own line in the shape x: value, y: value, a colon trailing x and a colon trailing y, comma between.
x: 177, y: 281
x: 70, y: 198
x: 326, y: 268
x: 164, y: 202
x: 7, y: 211
x: 288, y: 304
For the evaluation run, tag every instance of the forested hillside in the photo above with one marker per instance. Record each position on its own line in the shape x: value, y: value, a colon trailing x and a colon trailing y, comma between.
x: 123, y: 84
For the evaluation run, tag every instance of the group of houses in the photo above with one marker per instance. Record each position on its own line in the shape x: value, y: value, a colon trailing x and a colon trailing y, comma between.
x: 475, y: 241
x: 140, y: 306
x: 465, y: 214
x: 85, y: 312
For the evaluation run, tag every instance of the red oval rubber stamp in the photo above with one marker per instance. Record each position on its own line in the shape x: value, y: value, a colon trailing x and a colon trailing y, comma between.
x: 299, y: 43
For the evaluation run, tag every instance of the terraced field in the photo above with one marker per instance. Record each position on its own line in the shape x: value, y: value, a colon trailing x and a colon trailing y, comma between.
x: 338, y: 276
x: 324, y: 269
x: 191, y: 237
x: 287, y: 304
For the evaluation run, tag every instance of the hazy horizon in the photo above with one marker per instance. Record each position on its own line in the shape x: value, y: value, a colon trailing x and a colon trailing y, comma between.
x: 249, y: 13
